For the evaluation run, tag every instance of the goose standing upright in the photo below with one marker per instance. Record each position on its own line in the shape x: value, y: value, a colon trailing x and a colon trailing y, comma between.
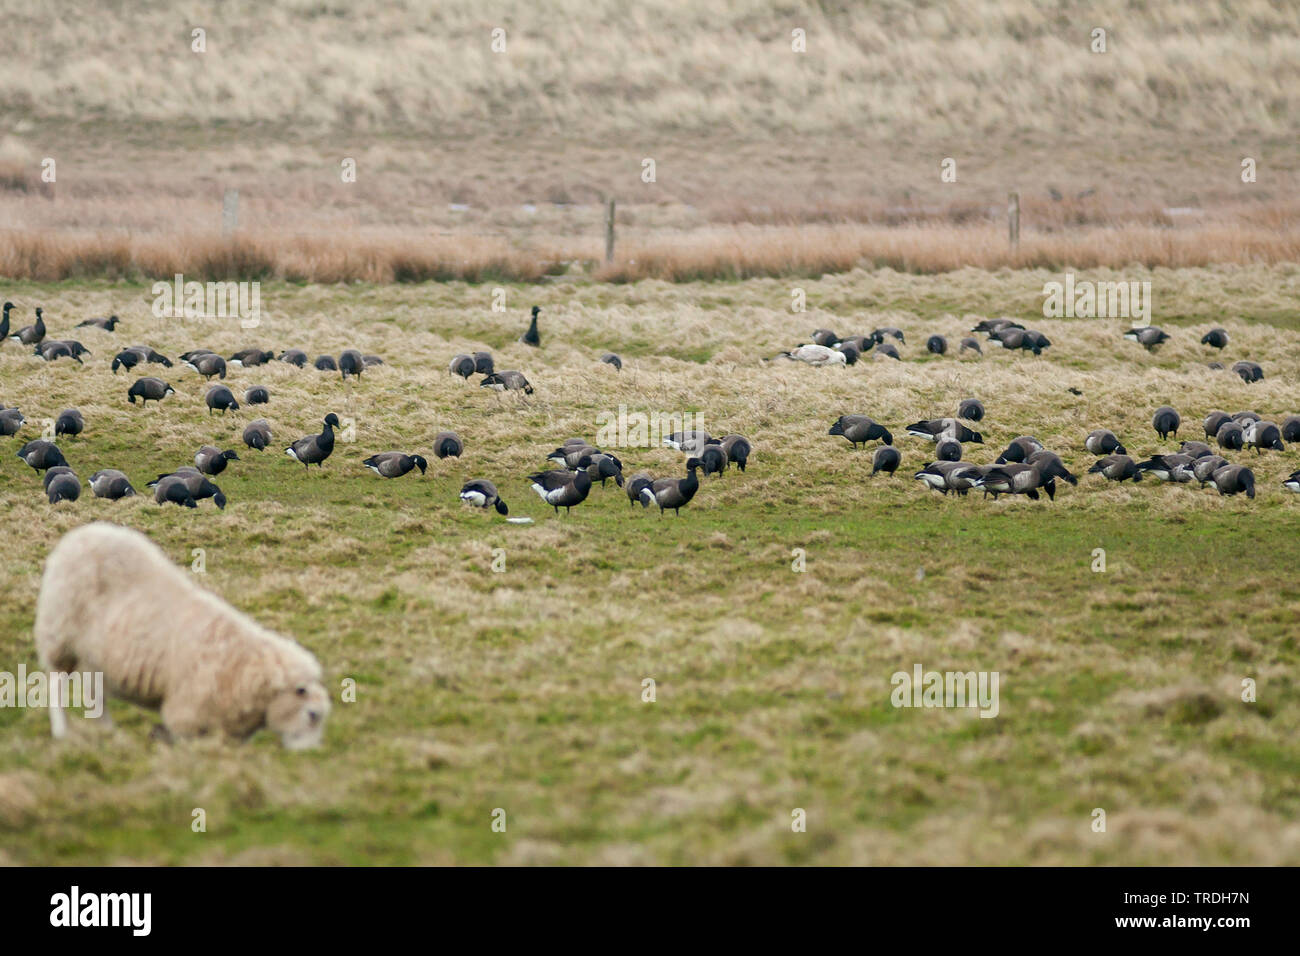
x: 563, y: 489
x: 4, y: 322
x: 531, y: 337
x: 673, y: 493
x: 314, y: 449
x: 31, y: 334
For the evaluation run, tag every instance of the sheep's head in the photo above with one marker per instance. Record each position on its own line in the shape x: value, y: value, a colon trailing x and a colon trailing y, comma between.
x: 297, y: 713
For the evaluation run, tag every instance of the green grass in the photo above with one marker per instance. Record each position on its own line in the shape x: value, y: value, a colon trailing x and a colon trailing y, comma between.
x: 522, y: 690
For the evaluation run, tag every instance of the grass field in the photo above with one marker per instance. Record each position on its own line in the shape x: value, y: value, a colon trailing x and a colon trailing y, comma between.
x: 522, y: 690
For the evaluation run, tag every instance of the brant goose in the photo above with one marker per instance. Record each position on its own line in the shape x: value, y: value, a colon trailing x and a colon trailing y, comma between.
x: 1215, y: 338
x: 563, y: 489
x: 107, y: 324
x: 825, y: 337
x: 886, y: 350
x: 248, y: 357
x: 937, y: 428
x: 195, y: 483
x: 1165, y: 421
x: 394, y: 464
x: 507, y: 381
x: 1051, y: 467
x: 257, y: 435
x: 69, y: 422
x: 149, y: 390
x: 1177, y: 468
x: 634, y: 486
x: 609, y: 358
x: 569, y: 455
x: 1263, y: 435
x: 971, y: 409
x: 212, y: 460
x: 531, y: 337
x: 1196, y: 449
x: 173, y: 489
x: 1243, y: 417
x: 886, y: 459
x: 208, y: 365
x: 1149, y: 337
x: 859, y: 429
x: 294, y: 357
x: 1117, y: 468
x: 1234, y: 479
x: 972, y: 345
x: 713, y: 460
x: 481, y: 493
x: 996, y: 325
x: 1015, y: 478
x: 1230, y: 436
x: 54, y: 349
x: 314, y: 449
x: 462, y: 365
x: 947, y: 449
x: 371, y: 360
x: 11, y: 420
x: 257, y: 395
x: 1020, y: 449
x: 326, y: 363
x: 689, y: 442
x: 943, y: 476
x: 483, y: 363
x: 111, y: 484
x: 936, y: 344
x: 41, y: 454
x: 31, y: 334
x: 604, y: 467
x: 4, y: 322
x: 850, y: 352
x: 220, y: 398
x: 736, y: 448
x: 672, y: 493
x: 448, y: 445
x: 1102, y: 441
x: 1205, y: 467
x: 878, y: 335
x: 1292, y: 483
x: 351, y: 362
x: 64, y: 486
x: 1249, y: 371
x: 1291, y: 428
x: 1213, y: 421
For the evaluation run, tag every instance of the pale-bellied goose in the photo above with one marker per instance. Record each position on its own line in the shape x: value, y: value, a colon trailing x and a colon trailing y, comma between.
x: 448, y: 445
x: 859, y: 342
x: 462, y: 365
x: 219, y: 399
x: 1176, y: 468
x: 1015, y: 478
x: 52, y: 473
x: 212, y: 460
x: 189, y: 356
x: 971, y: 409
x: 1247, y: 416
x: 996, y: 325
x: 886, y: 459
x: 107, y: 324
x: 481, y: 493
x: 939, y: 475
x: 257, y: 434
x: 1165, y: 421
x: 859, y: 429
x: 111, y: 484
x: 569, y: 455
x: 507, y: 381
x: 850, y: 352
x: 351, y: 362
x: 69, y: 422
x: 257, y: 395
x: 1149, y: 337
x: 314, y: 449
x: 937, y: 428
x: 673, y: 493
x: 1233, y: 480
x: 1292, y: 483
x: 1215, y: 338
x: 531, y: 337
x: 149, y: 390
x: 1102, y: 441
x: 394, y: 464
x: 563, y: 489
x: 1116, y: 468
x: 41, y: 454
x: 1050, y: 466
x: 886, y: 350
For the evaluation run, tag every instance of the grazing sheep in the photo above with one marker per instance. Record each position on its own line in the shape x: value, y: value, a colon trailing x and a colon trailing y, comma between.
x: 163, y: 642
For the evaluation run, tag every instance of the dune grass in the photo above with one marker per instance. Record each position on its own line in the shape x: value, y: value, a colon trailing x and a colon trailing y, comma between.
x: 522, y: 690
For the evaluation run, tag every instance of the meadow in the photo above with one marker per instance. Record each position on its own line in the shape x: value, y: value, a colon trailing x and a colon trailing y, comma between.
x: 523, y: 689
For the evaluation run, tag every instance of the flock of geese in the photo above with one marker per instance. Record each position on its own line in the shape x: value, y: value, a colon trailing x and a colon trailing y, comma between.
x: 1024, y: 468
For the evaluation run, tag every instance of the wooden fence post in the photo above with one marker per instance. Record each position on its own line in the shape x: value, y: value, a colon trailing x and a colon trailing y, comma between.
x: 609, y: 233
x: 230, y: 213
x: 1013, y: 219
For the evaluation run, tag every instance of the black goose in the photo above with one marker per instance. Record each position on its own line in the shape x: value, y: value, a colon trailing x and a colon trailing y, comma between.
x: 635, y: 485
x: 507, y: 381
x: 971, y: 409
x: 737, y: 449
x: 996, y: 325
x: 69, y: 422
x: 31, y: 334
x: 220, y: 399
x: 1149, y: 337
x: 1292, y: 483
x: 1166, y: 421
x: 326, y: 363
x: 195, y: 483
x: 394, y: 464
x: 1263, y: 436
x: 1230, y: 436
x: 970, y: 345
x: 65, y: 487
x: 1233, y: 480
x: 936, y: 344
x: 947, y: 449
x: 483, y: 363
x: 1247, y: 416
x: 481, y: 493
x: 1215, y: 338
x: 448, y: 445
x: 371, y: 360
x: 851, y: 352
x: 885, y: 350
x: 1051, y: 467
x: 859, y: 429
x: 41, y: 454
x: 52, y: 473
x: 1015, y: 478
x: 609, y: 358
x: 1203, y: 468
x: 294, y: 357
x: 128, y: 359
x: 212, y: 460
x: 1291, y: 428
x: 1248, y: 371
x: 938, y: 428
x: 257, y: 395
x: 1196, y: 449
x: 886, y: 459
x: 53, y: 349
x: 713, y: 460
x: 462, y: 365
x: 314, y: 449
x: 11, y: 421
x: 208, y: 365
x: 880, y: 333
x: 1213, y: 421
x: 1117, y: 468
x: 569, y: 455
x: 4, y: 322
x: 1102, y: 441
x: 152, y: 355
x: 531, y: 337
x: 1175, y: 468
x: 250, y: 357
x: 257, y: 435
x: 351, y: 362
x: 189, y: 356
x: 939, y: 476
x: 108, y: 325
x: 111, y: 484
x: 825, y: 337
x: 1020, y: 449
x: 604, y: 467
x: 673, y: 493
x: 173, y: 489
x: 563, y: 489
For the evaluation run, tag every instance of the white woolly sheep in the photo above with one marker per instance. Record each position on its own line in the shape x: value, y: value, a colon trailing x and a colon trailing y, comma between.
x: 112, y: 602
